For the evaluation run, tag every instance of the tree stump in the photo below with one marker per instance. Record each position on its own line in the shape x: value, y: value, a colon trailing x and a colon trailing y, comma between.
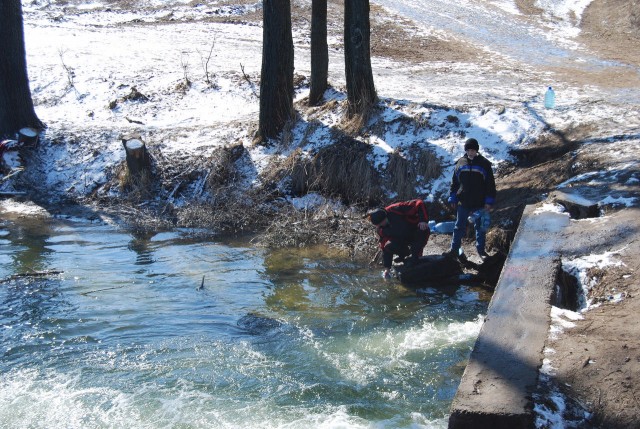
x: 28, y: 137
x: 138, y: 160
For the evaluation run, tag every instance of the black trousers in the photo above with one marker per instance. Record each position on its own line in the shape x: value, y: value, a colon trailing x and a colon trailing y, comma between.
x: 404, y: 248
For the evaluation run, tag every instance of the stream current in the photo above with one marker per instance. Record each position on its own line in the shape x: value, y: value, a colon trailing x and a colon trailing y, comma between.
x: 129, y: 335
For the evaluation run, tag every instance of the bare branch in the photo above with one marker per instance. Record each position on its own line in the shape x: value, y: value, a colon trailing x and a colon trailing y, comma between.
x: 70, y: 73
x: 205, y: 62
x: 253, y: 88
x: 185, y: 69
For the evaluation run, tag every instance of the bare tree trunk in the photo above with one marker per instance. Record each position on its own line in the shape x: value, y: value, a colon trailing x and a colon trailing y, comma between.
x: 361, y: 92
x: 276, y: 82
x: 16, y: 105
x: 319, y: 52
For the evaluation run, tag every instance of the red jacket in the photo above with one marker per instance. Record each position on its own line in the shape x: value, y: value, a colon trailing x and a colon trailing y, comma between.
x: 403, y: 219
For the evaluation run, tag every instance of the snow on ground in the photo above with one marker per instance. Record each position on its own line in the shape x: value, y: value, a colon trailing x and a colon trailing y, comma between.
x: 10, y: 208
x: 568, y: 11
x: 83, y: 63
x: 579, y: 268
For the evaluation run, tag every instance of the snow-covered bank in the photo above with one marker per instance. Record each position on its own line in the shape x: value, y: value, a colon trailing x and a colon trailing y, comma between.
x: 84, y: 62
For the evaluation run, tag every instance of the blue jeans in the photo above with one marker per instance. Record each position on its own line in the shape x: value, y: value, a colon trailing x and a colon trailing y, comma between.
x: 460, y: 229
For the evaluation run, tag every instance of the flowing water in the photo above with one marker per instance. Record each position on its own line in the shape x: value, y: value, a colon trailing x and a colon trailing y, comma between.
x: 129, y: 336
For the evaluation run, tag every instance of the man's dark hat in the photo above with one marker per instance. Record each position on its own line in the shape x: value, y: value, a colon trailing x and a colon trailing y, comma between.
x: 471, y: 144
x: 376, y: 216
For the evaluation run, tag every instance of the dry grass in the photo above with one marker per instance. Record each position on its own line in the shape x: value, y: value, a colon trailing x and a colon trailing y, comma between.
x: 356, y: 118
x: 499, y: 239
x: 403, y: 174
x: 227, y: 209
x: 136, y: 188
x: 352, y: 125
x: 346, y: 231
x: 222, y: 166
x: 400, y: 177
x: 283, y: 172
x: 342, y: 170
x: 426, y: 163
x: 225, y: 216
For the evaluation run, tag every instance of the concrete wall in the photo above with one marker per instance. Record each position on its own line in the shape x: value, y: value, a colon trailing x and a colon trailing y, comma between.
x: 497, y: 385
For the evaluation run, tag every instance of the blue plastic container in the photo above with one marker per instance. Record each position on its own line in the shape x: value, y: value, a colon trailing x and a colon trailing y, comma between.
x: 445, y: 227
x: 549, y: 99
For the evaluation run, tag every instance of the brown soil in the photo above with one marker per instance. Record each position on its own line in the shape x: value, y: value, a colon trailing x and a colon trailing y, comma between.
x: 598, y: 361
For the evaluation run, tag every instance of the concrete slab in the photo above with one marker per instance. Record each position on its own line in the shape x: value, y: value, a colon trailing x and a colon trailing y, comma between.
x: 496, y: 387
x: 574, y: 200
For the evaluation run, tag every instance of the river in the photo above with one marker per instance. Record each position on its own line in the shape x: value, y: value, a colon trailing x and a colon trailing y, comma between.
x: 129, y: 335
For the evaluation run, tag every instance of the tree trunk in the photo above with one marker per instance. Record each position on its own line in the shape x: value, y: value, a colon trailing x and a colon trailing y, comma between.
x: 319, y: 52
x: 361, y: 92
x: 138, y: 160
x: 276, y: 82
x: 16, y: 105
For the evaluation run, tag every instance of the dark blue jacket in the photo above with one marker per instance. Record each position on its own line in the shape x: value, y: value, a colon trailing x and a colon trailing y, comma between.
x: 473, y: 184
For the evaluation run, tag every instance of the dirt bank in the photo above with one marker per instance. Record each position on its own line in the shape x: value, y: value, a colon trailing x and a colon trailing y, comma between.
x: 597, y: 362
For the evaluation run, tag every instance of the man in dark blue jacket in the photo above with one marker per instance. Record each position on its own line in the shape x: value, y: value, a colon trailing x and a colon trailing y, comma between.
x: 472, y: 195
x: 403, y: 229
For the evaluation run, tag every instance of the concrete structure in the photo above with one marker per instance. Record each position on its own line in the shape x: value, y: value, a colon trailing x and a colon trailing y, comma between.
x: 497, y: 385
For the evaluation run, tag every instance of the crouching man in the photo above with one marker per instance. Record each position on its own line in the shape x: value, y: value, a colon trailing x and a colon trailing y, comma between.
x: 403, y: 230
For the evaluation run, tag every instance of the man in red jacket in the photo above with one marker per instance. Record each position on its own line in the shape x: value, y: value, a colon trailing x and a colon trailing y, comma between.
x: 403, y: 230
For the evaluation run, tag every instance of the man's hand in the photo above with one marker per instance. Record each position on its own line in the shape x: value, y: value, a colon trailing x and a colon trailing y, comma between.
x: 423, y: 226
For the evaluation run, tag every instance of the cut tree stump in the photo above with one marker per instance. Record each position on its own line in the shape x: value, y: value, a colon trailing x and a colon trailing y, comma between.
x: 138, y: 160
x: 28, y: 137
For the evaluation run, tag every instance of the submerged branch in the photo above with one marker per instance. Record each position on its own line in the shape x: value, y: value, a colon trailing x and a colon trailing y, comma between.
x: 34, y: 274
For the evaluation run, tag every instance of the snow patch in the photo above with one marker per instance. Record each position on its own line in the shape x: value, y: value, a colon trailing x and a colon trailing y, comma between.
x: 579, y: 268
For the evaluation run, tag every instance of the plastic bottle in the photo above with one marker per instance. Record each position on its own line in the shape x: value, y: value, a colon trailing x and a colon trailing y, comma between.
x: 480, y: 219
x: 473, y: 217
x: 549, y: 99
x: 445, y: 227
